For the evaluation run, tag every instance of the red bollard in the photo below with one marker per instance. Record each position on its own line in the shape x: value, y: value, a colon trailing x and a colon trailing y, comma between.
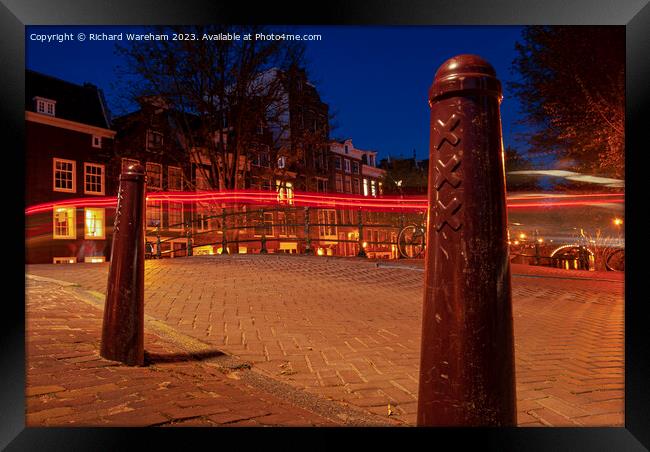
x: 467, y: 375
x: 123, y: 327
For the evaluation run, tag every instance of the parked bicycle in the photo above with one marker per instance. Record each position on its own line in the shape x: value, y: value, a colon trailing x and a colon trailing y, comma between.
x: 615, y: 261
x: 411, y: 241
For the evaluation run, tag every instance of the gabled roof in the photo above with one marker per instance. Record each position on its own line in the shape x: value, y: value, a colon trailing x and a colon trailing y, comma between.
x: 80, y: 103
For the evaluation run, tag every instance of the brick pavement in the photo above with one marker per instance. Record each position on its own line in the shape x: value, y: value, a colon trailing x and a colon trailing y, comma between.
x: 69, y: 384
x: 349, y: 329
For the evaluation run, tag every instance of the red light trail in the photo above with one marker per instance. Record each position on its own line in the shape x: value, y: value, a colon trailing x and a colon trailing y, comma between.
x: 305, y: 199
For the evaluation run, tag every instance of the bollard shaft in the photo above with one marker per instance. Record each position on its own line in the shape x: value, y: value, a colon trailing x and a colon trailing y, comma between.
x: 123, y: 325
x: 467, y: 352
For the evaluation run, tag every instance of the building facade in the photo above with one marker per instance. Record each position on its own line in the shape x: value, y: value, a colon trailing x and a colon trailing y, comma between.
x: 69, y: 146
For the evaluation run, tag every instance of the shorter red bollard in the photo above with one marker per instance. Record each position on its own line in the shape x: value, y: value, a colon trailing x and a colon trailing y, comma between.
x: 123, y: 326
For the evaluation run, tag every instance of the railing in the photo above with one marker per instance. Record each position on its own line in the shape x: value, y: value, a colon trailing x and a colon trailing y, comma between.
x: 304, y: 230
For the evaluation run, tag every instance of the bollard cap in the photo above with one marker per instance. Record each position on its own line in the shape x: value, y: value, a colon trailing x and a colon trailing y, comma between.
x: 465, y: 74
x: 133, y: 172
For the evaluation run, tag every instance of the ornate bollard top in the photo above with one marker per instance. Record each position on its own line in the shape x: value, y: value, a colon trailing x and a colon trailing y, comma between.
x: 466, y: 73
x: 133, y: 171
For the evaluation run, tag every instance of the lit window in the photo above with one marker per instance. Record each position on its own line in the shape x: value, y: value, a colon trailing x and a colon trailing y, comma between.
x: 97, y: 141
x: 45, y: 106
x: 93, y: 179
x: 327, y: 221
x: 174, y: 178
x: 365, y: 187
x: 94, y: 223
x: 204, y: 218
x: 154, y: 176
x: 373, y: 188
x: 64, y: 175
x: 64, y: 260
x: 95, y: 259
x: 154, y: 214
x: 282, y: 161
x: 285, y: 191
x: 347, y: 165
x: 175, y: 215
x: 64, y: 223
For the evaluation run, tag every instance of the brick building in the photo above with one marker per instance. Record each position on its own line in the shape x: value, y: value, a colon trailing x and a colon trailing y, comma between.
x: 69, y: 145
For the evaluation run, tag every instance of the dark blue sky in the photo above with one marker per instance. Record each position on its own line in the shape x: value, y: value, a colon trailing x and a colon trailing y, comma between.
x: 375, y: 79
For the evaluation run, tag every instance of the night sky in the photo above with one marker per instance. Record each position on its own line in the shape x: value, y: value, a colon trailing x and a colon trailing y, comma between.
x: 375, y: 79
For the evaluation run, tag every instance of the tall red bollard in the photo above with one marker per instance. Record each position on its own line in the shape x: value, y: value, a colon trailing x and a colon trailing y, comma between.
x: 467, y: 375
x: 123, y: 327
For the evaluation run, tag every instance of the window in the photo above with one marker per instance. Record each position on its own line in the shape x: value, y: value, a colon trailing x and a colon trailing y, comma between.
x: 175, y: 215
x: 346, y: 148
x: 365, y: 187
x: 339, y: 183
x: 64, y: 223
x: 282, y: 161
x: 154, y: 176
x: 373, y: 188
x: 355, y: 186
x: 128, y: 162
x: 94, y: 223
x: 154, y: 140
x: 287, y: 222
x: 321, y: 185
x: 204, y: 217
x: 97, y: 141
x: 64, y: 175
x: 45, y: 106
x: 264, y: 160
x: 347, y: 165
x: 95, y: 259
x: 337, y: 162
x: 93, y: 179
x: 154, y: 214
x: 327, y: 221
x: 348, y: 184
x: 355, y: 167
x: 264, y: 224
x: 174, y: 178
x: 201, y: 174
x: 381, y: 189
x: 285, y: 191
x: 64, y: 260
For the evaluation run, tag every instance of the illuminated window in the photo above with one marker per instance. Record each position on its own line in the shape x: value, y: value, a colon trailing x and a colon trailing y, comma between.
x: 127, y: 162
x: 64, y: 260
x: 174, y: 178
x: 93, y: 179
x: 64, y: 175
x: 285, y: 191
x: 373, y: 188
x: 381, y: 189
x: 95, y: 259
x: 347, y: 165
x: 154, y: 176
x: 64, y: 223
x: 97, y: 141
x: 339, y: 183
x: 154, y: 214
x: 327, y: 222
x: 45, y: 106
x: 282, y: 162
x: 94, y: 221
x: 175, y: 215
x: 365, y: 187
x: 204, y: 217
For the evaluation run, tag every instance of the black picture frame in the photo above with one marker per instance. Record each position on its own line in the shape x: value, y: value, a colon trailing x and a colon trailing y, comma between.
x: 633, y: 14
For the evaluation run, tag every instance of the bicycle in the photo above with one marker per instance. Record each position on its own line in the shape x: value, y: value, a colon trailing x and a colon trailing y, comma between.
x: 615, y: 261
x: 412, y: 240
